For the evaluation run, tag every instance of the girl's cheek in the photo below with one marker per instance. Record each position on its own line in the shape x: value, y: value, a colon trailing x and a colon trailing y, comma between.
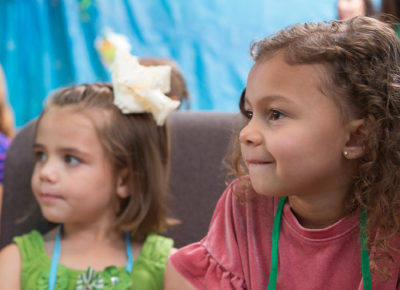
x: 285, y: 144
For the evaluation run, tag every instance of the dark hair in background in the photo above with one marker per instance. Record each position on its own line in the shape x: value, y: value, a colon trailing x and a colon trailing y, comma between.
x: 132, y: 142
x: 390, y: 12
x: 362, y: 60
x: 391, y: 7
x: 369, y: 8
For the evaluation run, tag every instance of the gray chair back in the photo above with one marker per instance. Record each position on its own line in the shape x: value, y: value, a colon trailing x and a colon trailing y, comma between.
x: 199, y: 142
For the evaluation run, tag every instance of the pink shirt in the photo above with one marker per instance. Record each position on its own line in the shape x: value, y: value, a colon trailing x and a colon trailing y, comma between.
x: 235, y: 254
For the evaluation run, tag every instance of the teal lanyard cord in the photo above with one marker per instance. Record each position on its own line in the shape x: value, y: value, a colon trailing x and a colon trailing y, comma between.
x: 57, y: 251
x: 129, y: 263
x: 364, y: 251
x: 276, y: 228
x: 54, y: 260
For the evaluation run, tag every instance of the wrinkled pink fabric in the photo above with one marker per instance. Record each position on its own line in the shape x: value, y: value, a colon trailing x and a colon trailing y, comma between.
x: 235, y: 254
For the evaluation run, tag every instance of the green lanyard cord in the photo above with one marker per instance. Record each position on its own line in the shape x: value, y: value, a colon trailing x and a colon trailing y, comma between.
x: 364, y: 251
x: 276, y: 228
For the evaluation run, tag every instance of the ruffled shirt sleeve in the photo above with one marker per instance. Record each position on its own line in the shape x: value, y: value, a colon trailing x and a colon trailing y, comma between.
x: 215, y: 262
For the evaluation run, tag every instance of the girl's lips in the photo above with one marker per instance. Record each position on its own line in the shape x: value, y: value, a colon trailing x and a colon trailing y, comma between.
x: 257, y: 162
x: 49, y: 197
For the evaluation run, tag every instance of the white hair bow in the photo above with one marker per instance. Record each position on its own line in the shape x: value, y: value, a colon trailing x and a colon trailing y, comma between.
x: 141, y: 89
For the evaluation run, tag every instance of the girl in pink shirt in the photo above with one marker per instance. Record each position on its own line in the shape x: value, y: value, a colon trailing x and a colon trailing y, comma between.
x: 320, y: 206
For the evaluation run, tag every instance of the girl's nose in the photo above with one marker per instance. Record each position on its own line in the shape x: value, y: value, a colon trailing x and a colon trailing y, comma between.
x: 48, y: 172
x: 250, y: 135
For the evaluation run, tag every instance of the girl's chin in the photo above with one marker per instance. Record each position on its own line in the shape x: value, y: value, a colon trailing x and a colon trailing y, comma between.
x: 52, y: 217
x: 268, y: 188
x: 261, y: 190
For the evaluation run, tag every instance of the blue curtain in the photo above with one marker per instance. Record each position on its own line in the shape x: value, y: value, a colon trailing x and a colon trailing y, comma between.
x: 45, y: 44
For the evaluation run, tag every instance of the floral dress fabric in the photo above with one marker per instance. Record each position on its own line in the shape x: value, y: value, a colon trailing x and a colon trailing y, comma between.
x: 147, y: 272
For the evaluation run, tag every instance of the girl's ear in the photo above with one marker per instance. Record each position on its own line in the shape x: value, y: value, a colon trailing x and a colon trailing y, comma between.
x: 122, y: 184
x: 354, y: 147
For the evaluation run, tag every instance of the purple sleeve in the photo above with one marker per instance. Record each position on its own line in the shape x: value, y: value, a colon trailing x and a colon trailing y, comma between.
x: 4, y: 144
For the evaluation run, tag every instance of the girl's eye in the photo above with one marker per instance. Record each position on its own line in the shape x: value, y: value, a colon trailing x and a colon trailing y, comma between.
x: 248, y: 114
x: 275, y: 115
x: 71, y: 160
x: 40, y: 156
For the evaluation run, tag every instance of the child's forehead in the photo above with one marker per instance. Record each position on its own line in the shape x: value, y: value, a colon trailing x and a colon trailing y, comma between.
x: 277, y: 71
x: 72, y: 120
x: 96, y: 115
x: 285, y: 62
x: 275, y: 77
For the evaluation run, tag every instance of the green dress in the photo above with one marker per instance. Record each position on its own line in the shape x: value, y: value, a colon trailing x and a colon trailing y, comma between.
x: 147, y: 272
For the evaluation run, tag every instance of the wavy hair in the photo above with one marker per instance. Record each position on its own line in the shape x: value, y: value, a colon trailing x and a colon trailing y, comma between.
x: 362, y: 61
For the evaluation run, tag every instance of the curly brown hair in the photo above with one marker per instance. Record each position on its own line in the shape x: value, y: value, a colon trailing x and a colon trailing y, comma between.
x: 362, y: 60
x: 132, y: 142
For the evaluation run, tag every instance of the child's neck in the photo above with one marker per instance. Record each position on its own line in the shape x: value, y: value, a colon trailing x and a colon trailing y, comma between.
x: 317, y: 213
x: 89, y: 233
x: 90, y: 246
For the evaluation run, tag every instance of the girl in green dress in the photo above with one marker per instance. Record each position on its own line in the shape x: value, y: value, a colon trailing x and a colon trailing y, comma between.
x: 100, y: 174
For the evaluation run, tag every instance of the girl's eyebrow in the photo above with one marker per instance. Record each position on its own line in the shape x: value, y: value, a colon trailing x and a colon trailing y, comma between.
x: 268, y: 99
x: 69, y: 150
x: 271, y: 98
x: 37, y: 145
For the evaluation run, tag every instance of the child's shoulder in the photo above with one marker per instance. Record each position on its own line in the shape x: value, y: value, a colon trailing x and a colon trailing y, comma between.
x: 156, y: 248
x: 33, y: 238
x: 9, y: 254
x: 10, y: 267
x: 21, y: 244
x: 30, y: 245
x: 148, y: 268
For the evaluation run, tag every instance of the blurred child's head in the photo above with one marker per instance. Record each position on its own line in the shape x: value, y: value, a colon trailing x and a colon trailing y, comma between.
x: 136, y: 148
x: 350, y: 8
x: 178, y: 90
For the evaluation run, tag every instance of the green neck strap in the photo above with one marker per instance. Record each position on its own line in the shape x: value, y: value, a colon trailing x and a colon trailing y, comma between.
x: 366, y: 274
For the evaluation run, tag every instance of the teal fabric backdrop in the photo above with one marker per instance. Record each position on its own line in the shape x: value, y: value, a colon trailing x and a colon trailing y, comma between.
x: 45, y: 44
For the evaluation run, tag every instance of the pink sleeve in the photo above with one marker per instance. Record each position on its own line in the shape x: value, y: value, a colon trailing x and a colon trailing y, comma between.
x: 203, y: 271
x: 215, y: 261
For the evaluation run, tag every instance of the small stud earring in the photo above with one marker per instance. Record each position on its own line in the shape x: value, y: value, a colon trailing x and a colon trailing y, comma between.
x: 346, y: 153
